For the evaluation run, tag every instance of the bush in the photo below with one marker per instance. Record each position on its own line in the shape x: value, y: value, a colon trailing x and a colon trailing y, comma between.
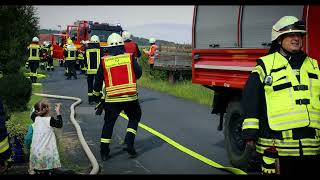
x: 15, y: 91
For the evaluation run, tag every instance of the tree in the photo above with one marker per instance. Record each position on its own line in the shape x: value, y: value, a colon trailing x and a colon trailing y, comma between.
x: 18, y: 26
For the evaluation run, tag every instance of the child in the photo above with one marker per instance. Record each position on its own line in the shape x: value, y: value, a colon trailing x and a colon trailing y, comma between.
x: 44, y: 156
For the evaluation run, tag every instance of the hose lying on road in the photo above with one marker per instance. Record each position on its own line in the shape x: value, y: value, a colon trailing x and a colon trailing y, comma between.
x: 93, y: 160
x: 186, y: 150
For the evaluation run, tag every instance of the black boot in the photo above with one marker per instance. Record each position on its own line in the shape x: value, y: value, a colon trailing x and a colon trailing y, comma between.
x: 128, y: 145
x: 104, y: 151
x: 131, y: 150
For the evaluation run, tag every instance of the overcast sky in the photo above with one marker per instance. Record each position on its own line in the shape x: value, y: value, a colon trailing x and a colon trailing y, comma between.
x: 137, y: 19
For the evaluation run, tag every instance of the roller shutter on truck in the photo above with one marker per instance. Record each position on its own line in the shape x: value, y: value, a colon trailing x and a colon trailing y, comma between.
x: 218, y: 25
x: 227, y: 40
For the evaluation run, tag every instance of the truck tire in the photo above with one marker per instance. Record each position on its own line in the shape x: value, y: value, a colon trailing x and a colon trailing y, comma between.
x: 239, y: 154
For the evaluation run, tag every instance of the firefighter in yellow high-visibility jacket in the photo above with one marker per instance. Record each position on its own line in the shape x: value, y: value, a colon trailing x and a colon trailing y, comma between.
x: 33, y: 51
x: 281, y: 104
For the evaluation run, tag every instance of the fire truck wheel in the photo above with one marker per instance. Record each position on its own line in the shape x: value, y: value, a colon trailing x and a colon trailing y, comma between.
x: 239, y: 154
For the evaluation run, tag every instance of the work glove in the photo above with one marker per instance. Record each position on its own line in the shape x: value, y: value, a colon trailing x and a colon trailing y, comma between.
x: 268, y: 165
x: 99, y: 108
x: 254, y: 160
x: 269, y: 160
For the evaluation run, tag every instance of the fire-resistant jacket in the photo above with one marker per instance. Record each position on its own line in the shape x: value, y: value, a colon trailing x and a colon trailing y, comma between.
x: 119, y: 73
x: 33, y: 51
x: 132, y: 47
x: 285, y: 113
x: 93, y: 55
x: 151, y: 53
x: 70, y: 53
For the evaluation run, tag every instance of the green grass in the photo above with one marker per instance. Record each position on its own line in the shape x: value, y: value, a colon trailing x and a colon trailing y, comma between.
x: 183, y: 89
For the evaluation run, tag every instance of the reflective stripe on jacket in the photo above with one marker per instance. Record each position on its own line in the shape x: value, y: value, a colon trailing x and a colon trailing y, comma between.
x: 291, y: 104
x: 71, y: 53
x: 34, y: 52
x: 93, y: 60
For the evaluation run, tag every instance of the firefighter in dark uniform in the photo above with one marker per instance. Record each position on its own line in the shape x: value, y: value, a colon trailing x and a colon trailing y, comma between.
x: 81, y: 54
x: 5, y: 149
x: 49, y: 59
x: 33, y: 59
x: 92, y: 61
x: 281, y: 104
x: 129, y: 45
x: 70, y: 56
x: 119, y: 71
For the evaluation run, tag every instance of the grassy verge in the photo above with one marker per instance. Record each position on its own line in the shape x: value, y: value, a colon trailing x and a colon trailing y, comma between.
x: 183, y: 89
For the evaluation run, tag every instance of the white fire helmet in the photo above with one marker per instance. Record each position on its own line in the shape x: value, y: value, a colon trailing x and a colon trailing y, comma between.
x: 152, y: 40
x: 126, y: 35
x: 115, y: 40
x: 35, y: 39
x: 287, y: 24
x: 94, y: 39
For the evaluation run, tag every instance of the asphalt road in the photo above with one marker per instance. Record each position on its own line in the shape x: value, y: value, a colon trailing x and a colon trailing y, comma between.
x: 185, y: 122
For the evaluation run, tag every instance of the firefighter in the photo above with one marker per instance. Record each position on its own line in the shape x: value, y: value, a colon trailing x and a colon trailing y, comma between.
x: 119, y: 71
x: 130, y: 46
x: 5, y: 149
x: 43, y: 50
x: 70, y: 55
x: 81, y: 52
x: 151, y: 53
x: 92, y: 61
x: 49, y: 57
x: 281, y: 104
x: 33, y: 59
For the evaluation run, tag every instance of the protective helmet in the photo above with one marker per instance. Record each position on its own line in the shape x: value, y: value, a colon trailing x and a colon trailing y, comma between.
x: 287, y: 24
x: 115, y: 40
x: 152, y: 40
x: 35, y: 39
x: 45, y: 43
x: 94, y: 39
x: 69, y: 41
x: 126, y: 35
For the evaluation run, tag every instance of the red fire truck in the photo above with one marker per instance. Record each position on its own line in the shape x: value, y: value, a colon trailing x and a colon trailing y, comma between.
x: 226, y: 42
x: 83, y: 30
